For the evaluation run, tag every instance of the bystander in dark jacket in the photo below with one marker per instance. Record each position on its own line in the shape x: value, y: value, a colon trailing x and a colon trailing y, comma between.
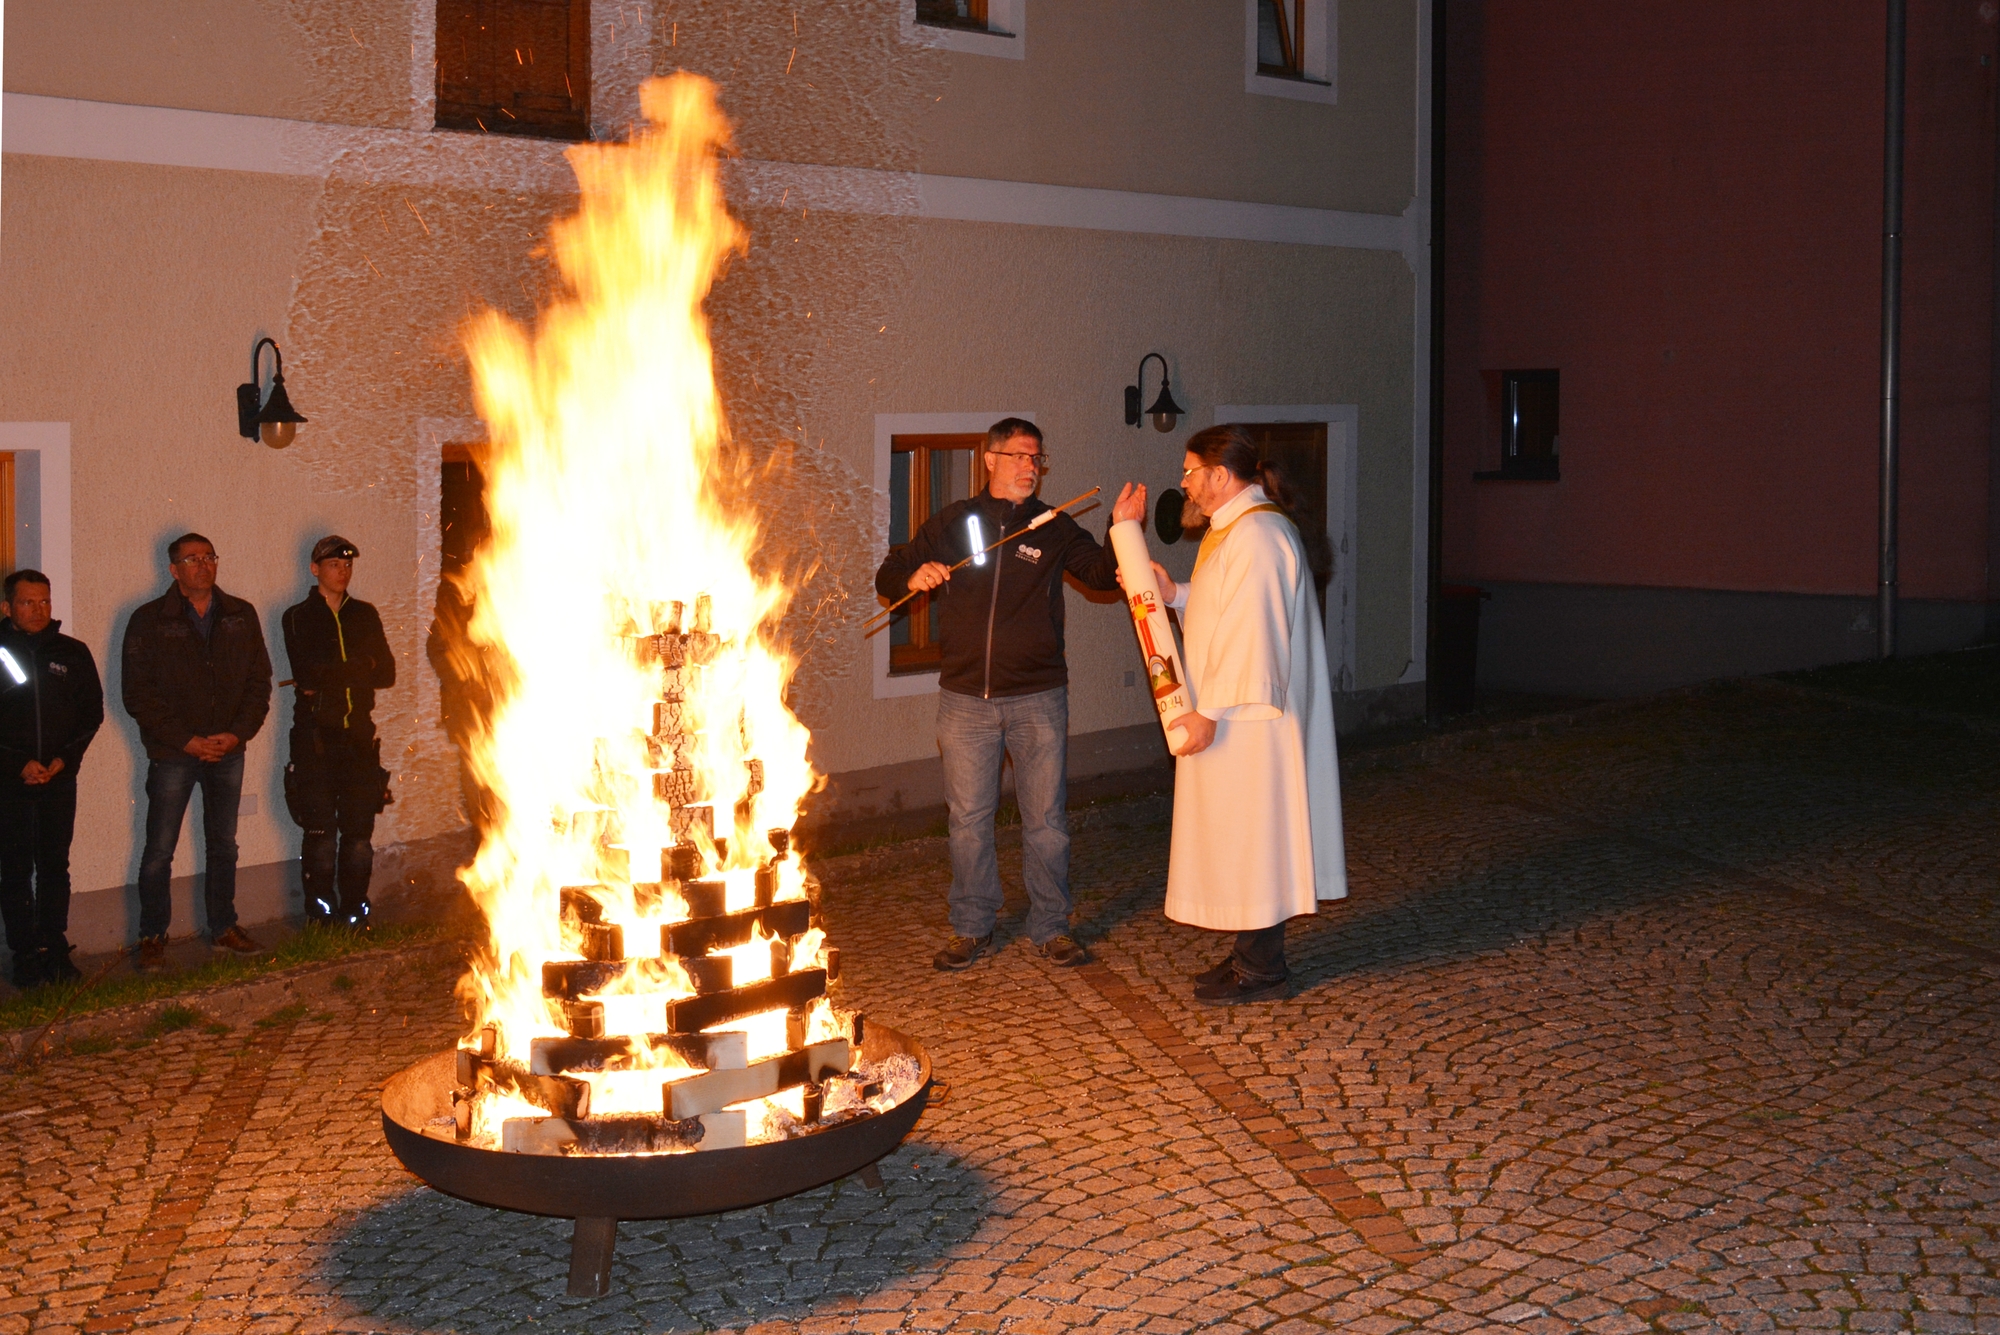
x: 335, y: 785
x: 51, y: 705
x: 197, y: 678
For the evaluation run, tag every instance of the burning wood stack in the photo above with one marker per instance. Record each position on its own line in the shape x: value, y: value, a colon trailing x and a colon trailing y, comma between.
x: 723, y: 965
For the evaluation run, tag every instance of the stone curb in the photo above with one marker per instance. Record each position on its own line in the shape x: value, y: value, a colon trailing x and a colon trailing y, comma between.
x: 237, y: 1004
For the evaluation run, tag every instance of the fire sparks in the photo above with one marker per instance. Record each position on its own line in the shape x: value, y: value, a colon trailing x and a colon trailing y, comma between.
x: 640, y: 750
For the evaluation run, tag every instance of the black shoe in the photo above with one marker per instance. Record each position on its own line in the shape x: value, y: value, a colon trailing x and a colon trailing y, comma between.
x: 56, y: 965
x: 961, y: 951
x: 1063, y: 951
x: 1221, y: 973
x: 1237, y: 988
x: 27, y: 970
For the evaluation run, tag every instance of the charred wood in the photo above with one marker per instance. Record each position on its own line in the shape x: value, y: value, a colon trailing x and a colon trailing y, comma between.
x: 691, y: 1015
x: 721, y: 931
x: 629, y: 1052
x: 557, y: 1094
x: 716, y: 1090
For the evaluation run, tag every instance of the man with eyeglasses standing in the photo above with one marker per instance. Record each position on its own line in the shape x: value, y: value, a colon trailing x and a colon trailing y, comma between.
x: 1004, y: 684
x: 335, y: 785
x: 198, y: 681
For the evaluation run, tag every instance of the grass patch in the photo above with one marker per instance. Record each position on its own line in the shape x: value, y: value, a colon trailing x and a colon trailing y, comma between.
x: 172, y: 1018
x: 344, y: 983
x: 1966, y: 681
x: 122, y: 988
x: 291, y: 1014
x: 92, y: 1043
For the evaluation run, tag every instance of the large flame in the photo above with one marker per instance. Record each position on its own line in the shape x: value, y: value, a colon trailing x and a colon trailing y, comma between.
x: 608, y: 525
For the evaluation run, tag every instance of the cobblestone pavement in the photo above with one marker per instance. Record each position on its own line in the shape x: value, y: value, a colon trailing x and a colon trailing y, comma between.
x: 1679, y: 1017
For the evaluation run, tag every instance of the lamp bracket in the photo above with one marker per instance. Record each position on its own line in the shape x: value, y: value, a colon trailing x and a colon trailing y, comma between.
x: 250, y: 397
x: 1133, y: 395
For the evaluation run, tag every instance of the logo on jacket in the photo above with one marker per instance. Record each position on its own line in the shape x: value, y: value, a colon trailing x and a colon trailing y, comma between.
x: 1027, y: 553
x: 57, y: 669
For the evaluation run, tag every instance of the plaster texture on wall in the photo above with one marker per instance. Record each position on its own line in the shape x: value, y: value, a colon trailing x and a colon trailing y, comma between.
x: 345, y: 61
x: 136, y: 334
x: 828, y: 82
x: 1149, y: 97
x: 135, y: 293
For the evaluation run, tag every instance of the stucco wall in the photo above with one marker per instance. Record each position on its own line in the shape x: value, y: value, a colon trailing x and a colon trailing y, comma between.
x: 1681, y: 208
x: 134, y: 293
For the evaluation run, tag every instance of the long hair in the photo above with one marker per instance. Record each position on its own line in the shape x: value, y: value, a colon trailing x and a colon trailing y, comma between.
x: 1232, y: 447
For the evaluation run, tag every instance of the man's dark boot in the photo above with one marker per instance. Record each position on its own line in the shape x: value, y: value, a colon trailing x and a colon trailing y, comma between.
x: 27, y: 970
x: 56, y: 965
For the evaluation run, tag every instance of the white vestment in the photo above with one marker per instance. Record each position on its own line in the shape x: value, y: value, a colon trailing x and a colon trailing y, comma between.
x: 1257, y: 834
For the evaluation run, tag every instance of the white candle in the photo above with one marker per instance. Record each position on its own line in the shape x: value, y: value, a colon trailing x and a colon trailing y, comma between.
x: 1165, y: 674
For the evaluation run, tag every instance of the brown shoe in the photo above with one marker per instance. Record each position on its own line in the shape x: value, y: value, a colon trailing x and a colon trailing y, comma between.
x: 239, y: 941
x: 150, y: 955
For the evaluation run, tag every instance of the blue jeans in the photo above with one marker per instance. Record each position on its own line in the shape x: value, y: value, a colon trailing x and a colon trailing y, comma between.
x: 972, y: 734
x: 169, y: 786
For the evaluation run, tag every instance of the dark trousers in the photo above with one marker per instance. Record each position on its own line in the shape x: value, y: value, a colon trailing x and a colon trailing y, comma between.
x: 36, y: 824
x: 1260, y: 955
x: 334, y: 789
x: 170, y: 785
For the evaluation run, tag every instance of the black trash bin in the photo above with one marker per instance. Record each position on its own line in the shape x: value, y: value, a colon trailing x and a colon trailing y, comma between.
x: 1454, y: 667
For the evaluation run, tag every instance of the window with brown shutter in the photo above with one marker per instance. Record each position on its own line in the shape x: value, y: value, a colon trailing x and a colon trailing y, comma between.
x: 514, y: 67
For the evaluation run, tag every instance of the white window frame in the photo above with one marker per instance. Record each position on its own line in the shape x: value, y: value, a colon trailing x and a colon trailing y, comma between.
x: 1322, y: 52
x: 1343, y: 514
x: 1008, y: 19
x: 887, y: 427
x: 42, y: 507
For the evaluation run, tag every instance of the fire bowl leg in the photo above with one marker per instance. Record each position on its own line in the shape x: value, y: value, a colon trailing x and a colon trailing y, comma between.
x: 590, y: 1251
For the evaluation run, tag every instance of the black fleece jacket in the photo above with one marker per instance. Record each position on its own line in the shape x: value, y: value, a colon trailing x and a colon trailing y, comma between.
x: 54, y: 713
x: 338, y: 663
x: 180, y: 686
x: 1001, y: 624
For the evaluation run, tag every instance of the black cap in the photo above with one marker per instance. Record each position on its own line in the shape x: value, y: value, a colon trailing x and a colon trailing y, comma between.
x: 333, y: 545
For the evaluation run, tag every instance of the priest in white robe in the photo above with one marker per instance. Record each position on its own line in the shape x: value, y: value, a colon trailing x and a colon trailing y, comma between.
x: 1257, y: 832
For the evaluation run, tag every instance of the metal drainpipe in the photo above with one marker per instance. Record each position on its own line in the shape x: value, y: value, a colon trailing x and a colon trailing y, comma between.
x: 1892, y: 321
x: 1436, y: 388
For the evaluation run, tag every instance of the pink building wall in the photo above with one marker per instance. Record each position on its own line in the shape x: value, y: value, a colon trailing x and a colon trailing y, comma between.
x: 1678, y: 205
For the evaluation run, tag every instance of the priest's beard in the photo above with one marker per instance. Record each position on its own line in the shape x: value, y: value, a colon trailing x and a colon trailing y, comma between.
x: 1194, y: 519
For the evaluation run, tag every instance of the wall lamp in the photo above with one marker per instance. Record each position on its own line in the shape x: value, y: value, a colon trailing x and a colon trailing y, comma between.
x: 274, y: 418
x: 1165, y: 412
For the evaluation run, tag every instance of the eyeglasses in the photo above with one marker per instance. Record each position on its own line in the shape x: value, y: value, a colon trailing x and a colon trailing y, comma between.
x: 1196, y: 469
x: 207, y: 560
x: 1032, y: 460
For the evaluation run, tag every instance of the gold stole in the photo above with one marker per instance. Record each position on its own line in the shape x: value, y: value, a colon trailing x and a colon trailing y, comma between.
x: 1212, y: 541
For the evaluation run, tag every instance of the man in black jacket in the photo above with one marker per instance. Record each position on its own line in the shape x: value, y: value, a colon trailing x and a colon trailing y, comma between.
x: 1004, y: 683
x: 51, y: 705
x: 335, y: 785
x: 198, y: 681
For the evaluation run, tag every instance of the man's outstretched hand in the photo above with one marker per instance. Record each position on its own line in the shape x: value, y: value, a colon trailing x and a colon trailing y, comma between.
x: 1131, y: 503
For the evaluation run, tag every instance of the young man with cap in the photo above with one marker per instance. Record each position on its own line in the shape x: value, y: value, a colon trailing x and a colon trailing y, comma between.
x: 51, y: 705
x: 335, y: 785
x: 198, y: 682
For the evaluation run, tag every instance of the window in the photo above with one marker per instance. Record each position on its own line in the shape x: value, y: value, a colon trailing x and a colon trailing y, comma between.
x: 1290, y: 48
x: 926, y: 473
x: 970, y: 15
x: 514, y: 67
x: 1530, y: 426
x: 975, y: 27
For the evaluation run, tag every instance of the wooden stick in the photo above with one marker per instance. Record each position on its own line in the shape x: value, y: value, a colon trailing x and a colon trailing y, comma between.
x: 891, y: 608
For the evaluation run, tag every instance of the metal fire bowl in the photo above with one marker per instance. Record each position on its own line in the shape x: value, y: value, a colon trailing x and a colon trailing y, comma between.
x: 644, y: 1186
